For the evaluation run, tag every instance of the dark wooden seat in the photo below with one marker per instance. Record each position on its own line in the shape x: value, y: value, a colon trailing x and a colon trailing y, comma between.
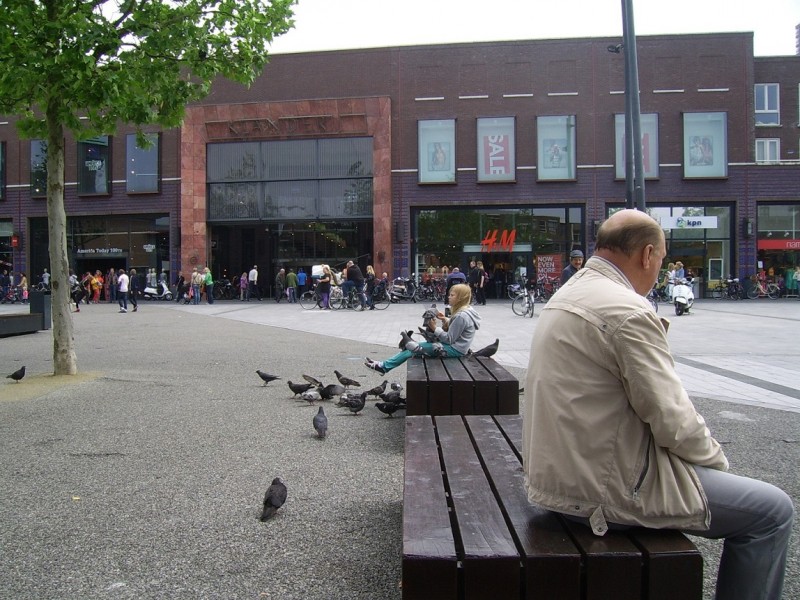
x: 16, y: 324
x: 470, y: 532
x: 460, y: 386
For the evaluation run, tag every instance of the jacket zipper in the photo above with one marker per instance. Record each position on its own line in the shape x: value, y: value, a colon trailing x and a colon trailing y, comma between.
x: 643, y: 474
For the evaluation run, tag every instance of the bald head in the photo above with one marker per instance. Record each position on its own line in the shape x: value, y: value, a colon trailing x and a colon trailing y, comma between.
x: 634, y: 242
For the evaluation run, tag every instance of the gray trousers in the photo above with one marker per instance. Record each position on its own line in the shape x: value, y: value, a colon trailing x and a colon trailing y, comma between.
x: 755, y: 520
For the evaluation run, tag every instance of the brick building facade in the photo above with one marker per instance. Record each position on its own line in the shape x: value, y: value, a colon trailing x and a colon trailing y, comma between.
x: 416, y: 158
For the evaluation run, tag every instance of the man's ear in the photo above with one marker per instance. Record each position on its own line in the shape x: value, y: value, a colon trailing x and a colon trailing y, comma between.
x: 647, y: 255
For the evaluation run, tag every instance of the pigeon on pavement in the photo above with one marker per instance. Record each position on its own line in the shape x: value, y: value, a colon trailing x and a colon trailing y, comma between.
x: 311, y: 396
x: 346, y: 381
x: 356, y: 404
x: 389, y: 408
x: 397, y: 386
x: 274, y: 498
x: 266, y: 377
x: 312, y: 380
x: 331, y: 390
x: 378, y: 389
x: 392, y: 396
x: 321, y: 423
x: 488, y: 350
x: 17, y: 375
x: 299, y: 388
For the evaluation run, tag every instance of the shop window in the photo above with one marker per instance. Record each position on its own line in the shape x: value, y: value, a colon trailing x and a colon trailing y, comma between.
x: 705, y: 145
x: 142, y: 162
x: 768, y: 150
x: 94, y: 169
x: 556, y: 148
x: 436, y: 141
x: 38, y: 168
x: 649, y: 125
x: 496, y: 150
x: 767, y: 101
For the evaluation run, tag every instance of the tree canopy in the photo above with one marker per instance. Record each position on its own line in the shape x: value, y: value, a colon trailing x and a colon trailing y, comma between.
x: 86, y: 66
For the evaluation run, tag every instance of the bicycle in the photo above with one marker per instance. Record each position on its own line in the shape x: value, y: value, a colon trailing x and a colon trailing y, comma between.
x: 352, y: 300
x: 380, y: 299
x: 653, y: 298
x: 762, y: 289
x: 730, y: 289
x: 523, y: 303
x: 310, y: 300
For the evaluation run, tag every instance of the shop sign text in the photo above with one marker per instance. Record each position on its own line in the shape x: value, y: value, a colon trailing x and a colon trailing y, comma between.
x: 99, y: 250
x: 506, y: 244
x: 689, y: 222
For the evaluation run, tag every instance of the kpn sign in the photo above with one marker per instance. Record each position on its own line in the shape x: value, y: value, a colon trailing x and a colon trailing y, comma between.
x: 688, y: 222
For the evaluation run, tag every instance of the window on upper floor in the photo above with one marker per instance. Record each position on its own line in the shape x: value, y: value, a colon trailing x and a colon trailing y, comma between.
x: 38, y: 168
x: 768, y: 150
x: 705, y: 145
x: 768, y: 105
x: 142, y: 173
x: 94, y: 167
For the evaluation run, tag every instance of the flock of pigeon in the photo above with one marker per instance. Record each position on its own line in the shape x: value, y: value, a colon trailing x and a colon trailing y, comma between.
x: 313, y: 390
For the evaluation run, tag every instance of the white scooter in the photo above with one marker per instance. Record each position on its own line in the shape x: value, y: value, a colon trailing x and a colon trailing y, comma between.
x: 682, y: 296
x: 162, y: 293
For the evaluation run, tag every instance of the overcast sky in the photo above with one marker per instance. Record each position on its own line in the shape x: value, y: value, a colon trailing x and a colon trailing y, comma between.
x: 339, y: 24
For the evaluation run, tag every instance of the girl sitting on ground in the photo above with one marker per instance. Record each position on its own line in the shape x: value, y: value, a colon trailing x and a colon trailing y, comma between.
x: 454, y: 337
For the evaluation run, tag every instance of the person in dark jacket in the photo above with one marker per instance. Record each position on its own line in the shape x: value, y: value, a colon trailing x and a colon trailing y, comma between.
x: 575, y: 264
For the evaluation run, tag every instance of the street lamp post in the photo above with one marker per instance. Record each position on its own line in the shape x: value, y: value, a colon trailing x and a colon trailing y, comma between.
x: 632, y: 107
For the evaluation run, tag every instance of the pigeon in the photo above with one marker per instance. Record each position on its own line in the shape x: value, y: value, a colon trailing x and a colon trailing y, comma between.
x: 357, y: 404
x: 392, y: 396
x: 396, y: 385
x: 405, y: 337
x: 346, y: 381
x: 378, y: 389
x: 427, y: 334
x: 321, y: 423
x: 274, y: 498
x: 299, y: 388
x: 389, y: 408
x: 488, y: 350
x: 346, y: 398
x: 266, y: 377
x: 17, y: 375
x: 312, y: 380
x: 330, y: 390
x: 310, y: 396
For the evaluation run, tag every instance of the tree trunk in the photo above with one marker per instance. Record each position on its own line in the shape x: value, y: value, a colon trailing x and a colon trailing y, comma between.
x: 64, y: 360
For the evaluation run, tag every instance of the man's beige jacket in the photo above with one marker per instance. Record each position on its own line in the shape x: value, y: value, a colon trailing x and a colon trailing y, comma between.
x: 609, y: 431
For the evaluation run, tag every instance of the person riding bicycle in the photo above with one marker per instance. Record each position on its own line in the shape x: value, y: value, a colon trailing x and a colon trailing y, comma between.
x: 354, y: 280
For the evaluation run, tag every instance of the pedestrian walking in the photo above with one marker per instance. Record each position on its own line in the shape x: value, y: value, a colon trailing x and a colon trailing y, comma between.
x: 122, y: 292
x: 291, y: 285
x: 252, y: 287
x: 133, y: 289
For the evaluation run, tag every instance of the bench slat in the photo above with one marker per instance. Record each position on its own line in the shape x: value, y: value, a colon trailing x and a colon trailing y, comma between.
x: 430, y: 563
x: 438, y: 388
x: 674, y: 565
x: 485, y: 386
x: 462, y: 387
x: 613, y: 565
x: 491, y: 561
x: 416, y: 388
x: 506, y: 386
x: 551, y: 561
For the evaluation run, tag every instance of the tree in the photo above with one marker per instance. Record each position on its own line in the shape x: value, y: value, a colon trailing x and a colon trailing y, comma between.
x: 85, y: 66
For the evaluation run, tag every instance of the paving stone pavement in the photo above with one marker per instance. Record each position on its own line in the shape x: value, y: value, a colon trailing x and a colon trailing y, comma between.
x: 143, y: 476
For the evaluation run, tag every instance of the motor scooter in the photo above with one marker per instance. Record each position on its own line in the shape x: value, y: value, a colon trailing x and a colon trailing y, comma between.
x: 162, y: 293
x: 682, y: 296
x: 403, y: 289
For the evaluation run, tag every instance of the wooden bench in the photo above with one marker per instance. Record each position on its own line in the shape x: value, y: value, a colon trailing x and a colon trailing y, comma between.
x: 460, y: 386
x: 16, y: 324
x: 469, y: 531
